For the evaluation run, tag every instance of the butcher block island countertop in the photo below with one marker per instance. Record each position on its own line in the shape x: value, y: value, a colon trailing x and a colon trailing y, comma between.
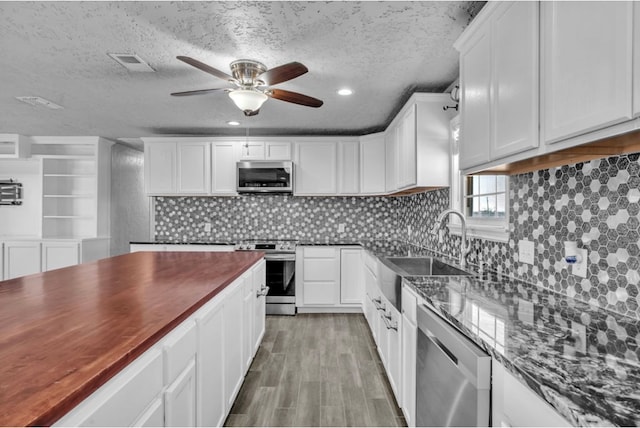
x: 64, y: 333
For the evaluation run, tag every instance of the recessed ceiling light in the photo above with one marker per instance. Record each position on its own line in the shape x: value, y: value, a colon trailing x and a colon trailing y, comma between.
x: 345, y: 91
x: 233, y: 123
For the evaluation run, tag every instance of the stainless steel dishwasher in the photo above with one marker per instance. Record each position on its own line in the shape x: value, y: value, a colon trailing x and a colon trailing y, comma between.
x: 453, y: 376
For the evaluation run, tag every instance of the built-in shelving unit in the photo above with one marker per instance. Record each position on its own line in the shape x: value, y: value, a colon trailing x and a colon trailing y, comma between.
x: 74, y: 172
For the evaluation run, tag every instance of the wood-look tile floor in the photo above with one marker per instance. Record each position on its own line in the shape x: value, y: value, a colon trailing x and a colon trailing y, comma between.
x: 316, y: 370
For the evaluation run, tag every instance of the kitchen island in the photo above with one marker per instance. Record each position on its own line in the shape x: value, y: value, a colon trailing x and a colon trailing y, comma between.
x: 65, y: 333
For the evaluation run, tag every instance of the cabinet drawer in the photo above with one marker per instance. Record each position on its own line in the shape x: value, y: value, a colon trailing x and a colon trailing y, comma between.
x: 321, y: 270
x: 179, y: 348
x: 320, y: 252
x: 321, y: 293
x: 123, y: 399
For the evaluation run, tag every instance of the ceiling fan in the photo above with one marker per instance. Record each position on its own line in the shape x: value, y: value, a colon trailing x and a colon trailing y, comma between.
x: 253, y: 83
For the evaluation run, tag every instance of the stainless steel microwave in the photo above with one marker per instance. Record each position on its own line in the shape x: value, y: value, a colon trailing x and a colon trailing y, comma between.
x: 265, y: 177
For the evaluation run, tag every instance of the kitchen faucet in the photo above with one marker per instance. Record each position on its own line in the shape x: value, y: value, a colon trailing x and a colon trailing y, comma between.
x: 463, y: 251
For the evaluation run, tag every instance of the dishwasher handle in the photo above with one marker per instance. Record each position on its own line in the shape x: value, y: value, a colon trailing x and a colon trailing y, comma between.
x: 464, y: 353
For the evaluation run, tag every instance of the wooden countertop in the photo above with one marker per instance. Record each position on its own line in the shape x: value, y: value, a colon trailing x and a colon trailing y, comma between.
x: 64, y: 333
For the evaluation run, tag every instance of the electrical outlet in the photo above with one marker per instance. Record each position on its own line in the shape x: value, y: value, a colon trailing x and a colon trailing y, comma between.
x: 579, y: 332
x: 207, y: 227
x: 341, y: 228
x: 580, y: 269
x: 526, y: 251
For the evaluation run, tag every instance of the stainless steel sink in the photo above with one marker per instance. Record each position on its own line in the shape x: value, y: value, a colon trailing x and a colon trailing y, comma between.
x: 423, y: 266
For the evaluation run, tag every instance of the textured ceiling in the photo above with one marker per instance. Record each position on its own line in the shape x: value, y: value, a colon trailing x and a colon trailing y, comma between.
x: 384, y: 51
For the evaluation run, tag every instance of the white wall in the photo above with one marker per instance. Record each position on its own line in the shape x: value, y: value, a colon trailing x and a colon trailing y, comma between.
x: 22, y: 220
x: 129, y: 205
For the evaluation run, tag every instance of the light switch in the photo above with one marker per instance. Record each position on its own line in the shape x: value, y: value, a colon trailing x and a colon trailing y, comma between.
x: 526, y: 251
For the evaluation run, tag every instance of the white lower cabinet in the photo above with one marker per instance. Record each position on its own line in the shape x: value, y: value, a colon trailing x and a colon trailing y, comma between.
x: 192, y: 376
x: 514, y: 404
x: 211, y: 403
x: 21, y: 258
x: 247, y: 320
x: 179, y: 247
x: 56, y: 255
x: 351, y: 276
x: 260, y: 308
x: 233, y: 342
x: 180, y: 399
x: 329, y: 278
x: 409, y: 349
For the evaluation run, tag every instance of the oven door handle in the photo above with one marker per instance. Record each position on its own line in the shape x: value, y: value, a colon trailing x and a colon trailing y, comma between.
x: 283, y: 257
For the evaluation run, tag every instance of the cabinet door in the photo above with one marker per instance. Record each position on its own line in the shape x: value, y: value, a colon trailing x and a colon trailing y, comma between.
x: 321, y: 276
x: 316, y: 170
x: 407, y: 149
x: 372, y: 161
x: 160, y: 168
x: 475, y: 117
x: 21, y: 258
x: 587, y: 66
x: 277, y: 150
x: 349, y: 167
x: 383, y: 338
x: 210, y: 369
x: 391, y: 159
x: 252, y: 150
x: 409, y: 338
x: 153, y: 416
x: 395, y: 354
x: 224, y: 156
x: 351, y: 276
x: 247, y: 321
x: 194, y: 167
x: 233, y: 331
x: 515, y: 75
x: 259, y: 284
x: 56, y: 255
x: 180, y: 399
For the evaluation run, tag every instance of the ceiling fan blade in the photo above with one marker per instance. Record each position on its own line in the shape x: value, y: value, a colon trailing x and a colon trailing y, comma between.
x: 283, y: 73
x: 294, y: 97
x: 206, y: 68
x: 198, y: 92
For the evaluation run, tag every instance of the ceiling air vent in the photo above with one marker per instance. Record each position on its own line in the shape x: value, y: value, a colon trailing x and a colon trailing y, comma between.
x: 132, y: 62
x: 39, y: 101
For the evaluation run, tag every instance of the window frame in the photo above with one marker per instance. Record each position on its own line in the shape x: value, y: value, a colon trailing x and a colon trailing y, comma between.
x: 492, y: 229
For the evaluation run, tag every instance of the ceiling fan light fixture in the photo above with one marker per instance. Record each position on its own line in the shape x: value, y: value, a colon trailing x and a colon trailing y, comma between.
x: 248, y: 99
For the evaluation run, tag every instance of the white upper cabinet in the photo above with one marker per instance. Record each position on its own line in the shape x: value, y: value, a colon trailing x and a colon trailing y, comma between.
x: 372, y: 164
x: 269, y: 150
x: 417, y: 145
x: 499, y: 57
x: 391, y: 159
x: 587, y: 66
x: 316, y: 168
x: 475, y: 116
x: 194, y: 167
x: 515, y: 78
x: 224, y: 156
x: 160, y: 168
x: 277, y: 150
x: 407, y: 148
x: 348, y: 168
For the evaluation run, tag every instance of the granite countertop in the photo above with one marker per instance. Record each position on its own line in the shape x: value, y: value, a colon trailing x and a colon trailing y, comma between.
x: 529, y: 330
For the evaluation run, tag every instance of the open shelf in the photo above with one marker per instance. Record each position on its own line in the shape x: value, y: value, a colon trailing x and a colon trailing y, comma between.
x: 64, y: 150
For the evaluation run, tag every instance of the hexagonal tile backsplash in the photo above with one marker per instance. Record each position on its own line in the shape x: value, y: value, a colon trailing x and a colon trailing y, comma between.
x: 596, y: 203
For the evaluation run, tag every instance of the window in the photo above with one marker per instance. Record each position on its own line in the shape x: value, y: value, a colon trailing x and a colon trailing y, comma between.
x: 482, y: 198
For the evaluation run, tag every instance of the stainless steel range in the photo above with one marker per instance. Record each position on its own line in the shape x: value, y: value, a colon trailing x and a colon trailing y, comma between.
x: 280, y: 255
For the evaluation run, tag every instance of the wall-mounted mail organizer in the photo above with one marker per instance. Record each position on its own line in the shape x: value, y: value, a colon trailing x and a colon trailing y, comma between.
x: 10, y: 192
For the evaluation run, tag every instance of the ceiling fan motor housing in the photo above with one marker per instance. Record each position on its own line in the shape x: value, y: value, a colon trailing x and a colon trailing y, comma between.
x: 246, y: 71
